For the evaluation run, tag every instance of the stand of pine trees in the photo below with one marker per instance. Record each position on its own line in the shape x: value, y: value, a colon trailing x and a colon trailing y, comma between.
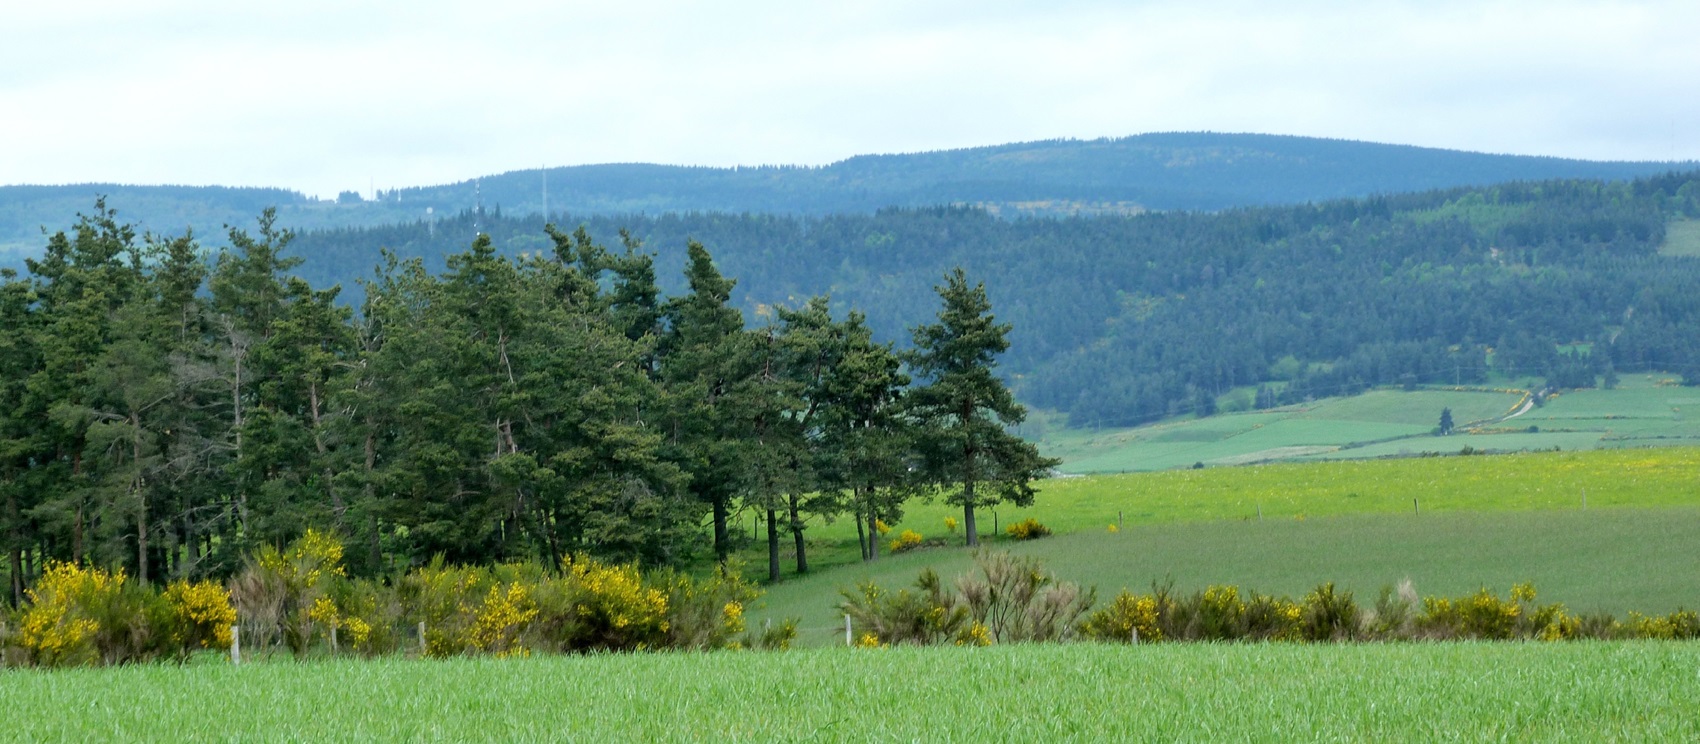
x: 166, y: 412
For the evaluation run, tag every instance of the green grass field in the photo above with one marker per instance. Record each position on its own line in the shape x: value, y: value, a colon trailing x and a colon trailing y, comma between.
x: 1476, y: 521
x: 1682, y: 238
x: 1613, y: 560
x: 1644, y: 410
x: 1586, y: 691
x: 1645, y: 478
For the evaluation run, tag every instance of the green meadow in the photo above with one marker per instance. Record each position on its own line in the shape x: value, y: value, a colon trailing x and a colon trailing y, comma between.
x: 1583, y: 691
x: 1644, y: 410
x: 1610, y: 530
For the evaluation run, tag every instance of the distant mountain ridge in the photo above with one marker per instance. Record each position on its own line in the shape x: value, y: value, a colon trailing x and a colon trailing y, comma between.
x: 1162, y: 171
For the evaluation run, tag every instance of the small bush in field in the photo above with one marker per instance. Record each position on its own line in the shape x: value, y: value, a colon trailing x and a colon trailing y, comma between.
x: 926, y: 616
x: 59, y: 627
x: 1126, y: 614
x: 277, y: 590
x: 1329, y: 615
x: 1027, y: 529
x: 1679, y: 625
x: 906, y: 540
x: 203, y: 614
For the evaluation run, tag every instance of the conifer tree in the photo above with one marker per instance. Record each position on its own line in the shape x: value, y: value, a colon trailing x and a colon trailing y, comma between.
x: 964, y: 409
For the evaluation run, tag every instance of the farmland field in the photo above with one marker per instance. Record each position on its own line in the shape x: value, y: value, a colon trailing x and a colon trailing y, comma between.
x: 1614, y: 560
x: 1627, y: 691
x: 1647, y: 478
x: 1644, y: 410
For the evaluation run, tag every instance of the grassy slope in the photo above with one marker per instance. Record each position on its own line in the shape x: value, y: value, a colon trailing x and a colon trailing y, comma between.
x: 1442, y: 691
x: 1488, y: 520
x: 1644, y: 410
x: 1615, y: 560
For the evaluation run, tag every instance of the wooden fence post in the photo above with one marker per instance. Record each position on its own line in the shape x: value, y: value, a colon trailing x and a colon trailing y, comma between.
x: 235, y: 645
x: 847, y: 640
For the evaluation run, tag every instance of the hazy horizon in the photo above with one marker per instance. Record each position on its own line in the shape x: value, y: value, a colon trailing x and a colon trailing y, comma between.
x: 321, y: 97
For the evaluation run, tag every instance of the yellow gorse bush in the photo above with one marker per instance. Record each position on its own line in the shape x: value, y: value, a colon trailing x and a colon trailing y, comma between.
x: 56, y: 629
x: 204, y: 613
x: 617, y: 594
x: 906, y: 540
x: 500, y: 620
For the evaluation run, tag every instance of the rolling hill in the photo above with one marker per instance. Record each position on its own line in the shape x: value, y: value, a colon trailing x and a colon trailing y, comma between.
x: 1167, y: 171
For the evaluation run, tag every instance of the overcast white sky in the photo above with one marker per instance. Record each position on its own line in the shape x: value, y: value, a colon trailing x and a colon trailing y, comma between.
x: 325, y: 95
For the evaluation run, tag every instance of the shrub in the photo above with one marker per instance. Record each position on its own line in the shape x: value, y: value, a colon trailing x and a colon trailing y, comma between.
x: 928, y: 615
x: 1329, y: 615
x: 1027, y: 529
x: 59, y: 627
x: 1216, y: 614
x: 1125, y: 615
x: 1271, y: 618
x: 1392, y: 616
x: 774, y: 638
x: 709, y: 613
x: 202, y: 615
x: 1019, y: 602
x: 276, y: 592
x: 1679, y: 625
x: 614, y: 609
x: 906, y: 540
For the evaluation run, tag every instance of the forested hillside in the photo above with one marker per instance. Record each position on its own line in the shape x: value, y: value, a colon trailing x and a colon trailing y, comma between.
x: 1198, y: 171
x: 1122, y: 319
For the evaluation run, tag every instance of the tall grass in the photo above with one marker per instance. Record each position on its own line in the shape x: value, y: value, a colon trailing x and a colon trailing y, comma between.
x: 1587, y: 691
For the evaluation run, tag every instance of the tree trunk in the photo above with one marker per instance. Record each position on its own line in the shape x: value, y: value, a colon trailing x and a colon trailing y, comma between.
x: 722, y: 540
x: 314, y: 406
x: 797, y: 535
x: 772, y: 545
x: 968, y: 475
x: 861, y: 536
x: 141, y: 499
x: 873, y: 531
x: 17, y: 551
x: 17, y: 567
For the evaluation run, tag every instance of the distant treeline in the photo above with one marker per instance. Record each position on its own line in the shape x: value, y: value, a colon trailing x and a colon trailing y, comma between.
x: 1125, y: 319
x: 1164, y: 171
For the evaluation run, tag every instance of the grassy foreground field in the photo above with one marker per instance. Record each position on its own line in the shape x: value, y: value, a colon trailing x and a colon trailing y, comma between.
x: 1585, y: 691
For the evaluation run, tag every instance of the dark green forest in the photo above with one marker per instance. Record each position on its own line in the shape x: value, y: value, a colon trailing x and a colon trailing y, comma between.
x: 1124, y: 319
x: 167, y: 411
x: 1168, y: 171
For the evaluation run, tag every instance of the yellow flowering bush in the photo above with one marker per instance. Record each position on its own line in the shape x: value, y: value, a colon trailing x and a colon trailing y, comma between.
x: 203, y: 613
x: 276, y: 593
x: 1125, y: 614
x: 1027, y: 529
x: 950, y: 525
x: 906, y: 540
x: 615, y: 609
x: 975, y: 634
x: 499, y: 620
x: 57, y: 629
x: 709, y: 613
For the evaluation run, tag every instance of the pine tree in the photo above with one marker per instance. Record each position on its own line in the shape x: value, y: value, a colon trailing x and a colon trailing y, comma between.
x: 964, y: 408
x: 1445, y: 421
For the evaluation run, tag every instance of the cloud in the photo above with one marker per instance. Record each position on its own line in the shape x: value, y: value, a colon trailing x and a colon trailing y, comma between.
x: 324, y: 96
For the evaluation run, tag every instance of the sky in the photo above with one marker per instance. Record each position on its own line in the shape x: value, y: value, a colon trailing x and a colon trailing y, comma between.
x: 322, y: 96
